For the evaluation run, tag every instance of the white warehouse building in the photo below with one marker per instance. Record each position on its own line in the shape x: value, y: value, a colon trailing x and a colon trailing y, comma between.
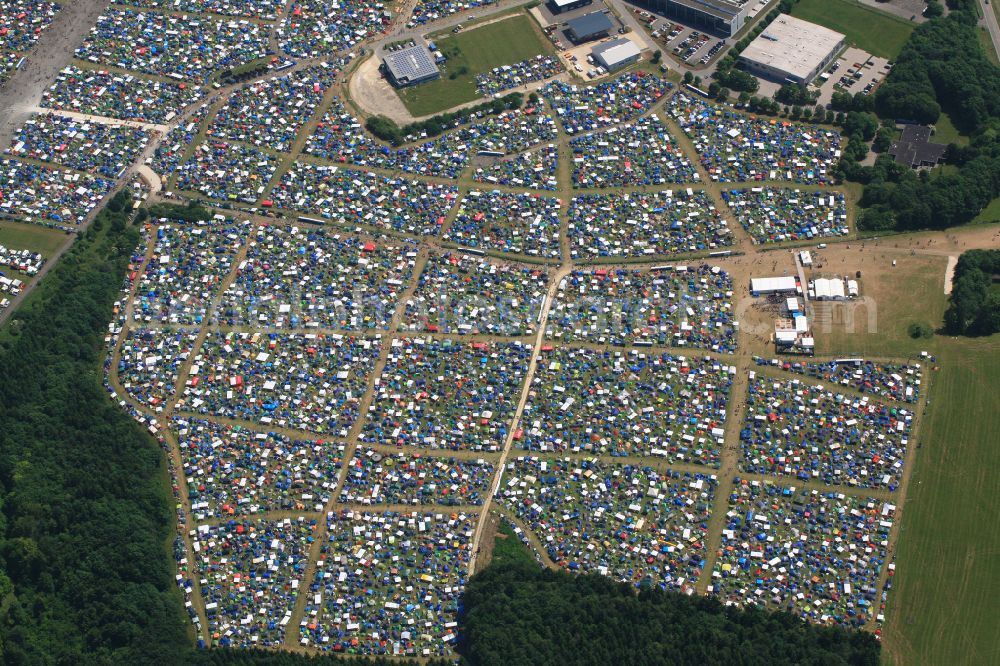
x: 791, y: 50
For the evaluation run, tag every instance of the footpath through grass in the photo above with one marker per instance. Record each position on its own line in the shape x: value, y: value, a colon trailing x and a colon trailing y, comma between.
x: 472, y: 52
x: 945, y: 601
x: 876, y: 32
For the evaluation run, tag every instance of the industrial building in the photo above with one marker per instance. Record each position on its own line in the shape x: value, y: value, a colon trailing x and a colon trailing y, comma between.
x: 616, y: 54
x: 589, y: 27
x: 410, y: 66
x: 560, y: 6
x: 717, y: 16
x: 791, y: 50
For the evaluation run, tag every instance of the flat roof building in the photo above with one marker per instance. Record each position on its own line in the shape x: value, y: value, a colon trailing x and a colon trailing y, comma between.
x: 717, y: 16
x: 773, y: 285
x: 410, y: 66
x: 791, y: 50
x: 560, y: 6
x: 914, y: 148
x: 588, y: 27
x: 616, y: 54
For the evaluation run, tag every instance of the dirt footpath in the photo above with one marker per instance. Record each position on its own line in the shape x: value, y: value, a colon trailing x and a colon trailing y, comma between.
x: 54, y: 50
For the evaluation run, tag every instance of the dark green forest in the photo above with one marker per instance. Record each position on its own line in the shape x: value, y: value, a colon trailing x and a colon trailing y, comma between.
x: 974, y: 306
x: 941, y: 68
x: 84, y: 574
x: 518, y: 613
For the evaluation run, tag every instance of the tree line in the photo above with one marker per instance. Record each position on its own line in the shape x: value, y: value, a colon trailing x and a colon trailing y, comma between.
x: 942, y: 68
x: 518, y: 613
x: 974, y: 305
x: 388, y: 130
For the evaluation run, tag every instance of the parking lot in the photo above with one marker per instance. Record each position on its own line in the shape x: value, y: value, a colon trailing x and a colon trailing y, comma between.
x: 853, y: 72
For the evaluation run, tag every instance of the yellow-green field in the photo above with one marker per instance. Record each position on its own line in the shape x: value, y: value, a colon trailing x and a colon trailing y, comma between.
x: 878, y: 33
x: 945, y: 602
x: 32, y: 237
x: 471, y: 52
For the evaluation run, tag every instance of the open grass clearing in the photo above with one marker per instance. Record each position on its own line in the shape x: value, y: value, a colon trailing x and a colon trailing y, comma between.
x: 987, y: 44
x: 477, y: 50
x: 869, y: 29
x: 893, y: 298
x: 946, y: 132
x: 32, y: 237
x: 946, y: 593
x: 989, y: 214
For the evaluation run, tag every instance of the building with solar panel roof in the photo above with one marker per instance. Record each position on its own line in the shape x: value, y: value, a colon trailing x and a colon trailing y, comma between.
x: 410, y: 66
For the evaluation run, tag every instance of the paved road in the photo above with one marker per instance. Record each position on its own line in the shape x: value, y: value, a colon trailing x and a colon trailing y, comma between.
x: 990, y: 21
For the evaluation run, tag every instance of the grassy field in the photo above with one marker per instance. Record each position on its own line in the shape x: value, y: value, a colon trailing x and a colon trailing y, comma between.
x: 987, y: 44
x: 876, y: 32
x: 472, y: 52
x: 946, y: 596
x: 508, y: 549
x: 910, y: 292
x: 31, y: 237
x: 946, y: 132
x: 990, y: 214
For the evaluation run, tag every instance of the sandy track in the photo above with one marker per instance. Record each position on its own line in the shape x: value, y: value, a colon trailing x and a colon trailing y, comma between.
x: 53, y: 52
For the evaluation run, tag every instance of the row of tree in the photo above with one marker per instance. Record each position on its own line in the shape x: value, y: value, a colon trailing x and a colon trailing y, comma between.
x: 974, y: 307
x: 518, y: 613
x: 941, y: 67
x: 388, y: 130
